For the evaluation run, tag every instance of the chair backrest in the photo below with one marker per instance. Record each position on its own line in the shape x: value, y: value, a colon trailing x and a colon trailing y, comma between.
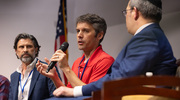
x: 140, y: 85
x: 178, y: 62
x: 178, y: 69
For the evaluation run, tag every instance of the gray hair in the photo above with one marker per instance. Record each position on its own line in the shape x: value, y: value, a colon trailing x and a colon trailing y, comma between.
x: 150, y: 9
x: 98, y: 23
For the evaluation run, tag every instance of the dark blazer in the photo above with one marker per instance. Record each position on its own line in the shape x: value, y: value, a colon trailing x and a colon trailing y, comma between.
x: 41, y: 87
x: 147, y: 51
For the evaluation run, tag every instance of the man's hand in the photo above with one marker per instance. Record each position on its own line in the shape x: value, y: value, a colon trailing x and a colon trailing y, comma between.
x: 63, y: 91
x: 61, y: 59
x: 43, y: 67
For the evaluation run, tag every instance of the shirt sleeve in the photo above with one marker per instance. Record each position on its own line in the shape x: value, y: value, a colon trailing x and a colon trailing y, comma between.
x: 4, y: 90
x: 77, y: 91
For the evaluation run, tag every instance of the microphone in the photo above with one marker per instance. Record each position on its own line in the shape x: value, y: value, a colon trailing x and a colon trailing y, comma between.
x: 63, y: 47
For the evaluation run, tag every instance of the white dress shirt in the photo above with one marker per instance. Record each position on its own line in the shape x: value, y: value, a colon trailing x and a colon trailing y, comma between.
x: 23, y: 83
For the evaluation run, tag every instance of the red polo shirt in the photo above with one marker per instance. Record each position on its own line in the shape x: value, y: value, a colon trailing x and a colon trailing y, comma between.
x: 97, y: 66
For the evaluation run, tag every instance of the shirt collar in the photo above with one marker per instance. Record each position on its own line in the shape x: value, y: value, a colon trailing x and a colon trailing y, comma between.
x: 29, y: 67
x: 142, y: 27
x: 93, y: 56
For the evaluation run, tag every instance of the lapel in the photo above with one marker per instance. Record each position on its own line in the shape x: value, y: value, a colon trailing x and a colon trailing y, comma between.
x: 34, y: 80
x: 15, y: 85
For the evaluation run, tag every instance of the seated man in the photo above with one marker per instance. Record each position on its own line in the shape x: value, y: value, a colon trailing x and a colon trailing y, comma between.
x: 94, y: 62
x: 26, y: 82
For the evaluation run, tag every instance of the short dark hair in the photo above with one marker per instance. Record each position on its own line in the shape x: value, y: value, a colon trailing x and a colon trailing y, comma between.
x: 27, y: 36
x: 150, y: 9
x: 98, y: 23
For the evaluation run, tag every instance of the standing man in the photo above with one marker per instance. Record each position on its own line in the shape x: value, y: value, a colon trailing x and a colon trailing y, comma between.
x: 4, y: 88
x: 148, y: 51
x: 26, y: 82
x: 93, y: 64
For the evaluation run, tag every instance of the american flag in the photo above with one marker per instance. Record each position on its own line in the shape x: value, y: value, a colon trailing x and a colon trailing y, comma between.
x: 61, y: 32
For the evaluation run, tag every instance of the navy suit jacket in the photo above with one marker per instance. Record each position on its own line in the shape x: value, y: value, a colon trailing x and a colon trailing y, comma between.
x: 41, y: 87
x: 147, y: 51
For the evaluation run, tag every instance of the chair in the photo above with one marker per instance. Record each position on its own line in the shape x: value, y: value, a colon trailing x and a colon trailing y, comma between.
x: 178, y: 69
x: 96, y: 95
x: 141, y: 85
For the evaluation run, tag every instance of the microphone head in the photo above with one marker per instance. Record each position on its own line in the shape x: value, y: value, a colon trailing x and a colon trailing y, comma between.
x: 64, y: 46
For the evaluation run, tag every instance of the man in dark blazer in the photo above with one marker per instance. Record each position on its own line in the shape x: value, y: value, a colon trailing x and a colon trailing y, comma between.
x: 26, y: 82
x: 148, y: 51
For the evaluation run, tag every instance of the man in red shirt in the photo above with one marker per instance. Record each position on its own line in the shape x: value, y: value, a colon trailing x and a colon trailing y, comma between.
x: 94, y: 62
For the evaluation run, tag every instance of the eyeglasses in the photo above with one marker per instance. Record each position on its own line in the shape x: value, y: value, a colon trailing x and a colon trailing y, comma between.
x: 125, y: 11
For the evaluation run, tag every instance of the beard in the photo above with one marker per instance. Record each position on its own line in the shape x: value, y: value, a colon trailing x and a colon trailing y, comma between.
x: 28, y: 59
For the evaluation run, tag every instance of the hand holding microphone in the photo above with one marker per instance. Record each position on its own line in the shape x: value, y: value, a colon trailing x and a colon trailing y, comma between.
x: 63, y: 47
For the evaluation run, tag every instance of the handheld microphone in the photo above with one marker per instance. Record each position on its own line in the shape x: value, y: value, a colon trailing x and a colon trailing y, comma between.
x: 63, y: 47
